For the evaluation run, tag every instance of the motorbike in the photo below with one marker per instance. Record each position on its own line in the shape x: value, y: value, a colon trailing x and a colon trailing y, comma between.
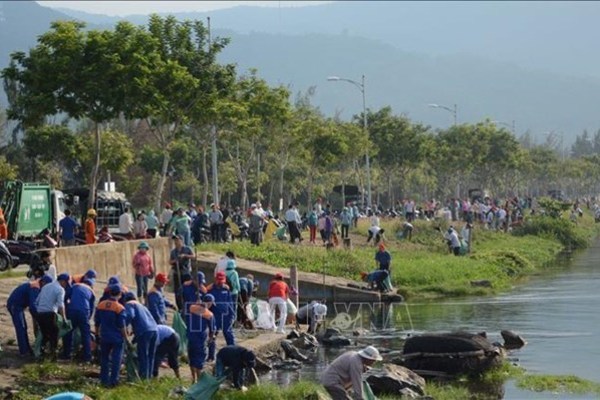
x: 6, y: 259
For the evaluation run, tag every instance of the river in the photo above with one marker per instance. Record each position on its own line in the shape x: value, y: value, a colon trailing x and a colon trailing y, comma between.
x: 558, y: 313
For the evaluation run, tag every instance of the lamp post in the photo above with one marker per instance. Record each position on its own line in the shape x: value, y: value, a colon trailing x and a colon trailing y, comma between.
x: 511, y: 125
x: 453, y: 110
x: 361, y: 86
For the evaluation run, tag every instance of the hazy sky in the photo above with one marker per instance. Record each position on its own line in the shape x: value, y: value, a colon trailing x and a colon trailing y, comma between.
x: 122, y: 8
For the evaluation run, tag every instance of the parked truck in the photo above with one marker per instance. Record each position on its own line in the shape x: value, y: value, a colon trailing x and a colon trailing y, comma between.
x: 29, y: 208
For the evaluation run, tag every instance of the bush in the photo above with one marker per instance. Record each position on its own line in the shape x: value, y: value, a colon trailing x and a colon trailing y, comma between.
x: 561, y: 229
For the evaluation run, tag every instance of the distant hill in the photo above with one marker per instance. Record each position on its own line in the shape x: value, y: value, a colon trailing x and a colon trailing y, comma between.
x: 560, y: 36
x: 405, y: 79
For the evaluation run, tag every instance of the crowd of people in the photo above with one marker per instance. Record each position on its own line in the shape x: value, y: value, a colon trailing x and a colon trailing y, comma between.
x: 62, y: 304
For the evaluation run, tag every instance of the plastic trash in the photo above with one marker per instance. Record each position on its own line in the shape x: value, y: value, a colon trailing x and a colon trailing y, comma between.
x: 179, y: 326
x: 263, y: 319
x: 205, y: 388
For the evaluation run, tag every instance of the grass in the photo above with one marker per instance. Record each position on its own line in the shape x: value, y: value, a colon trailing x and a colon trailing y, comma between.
x: 422, y: 268
x: 558, y: 384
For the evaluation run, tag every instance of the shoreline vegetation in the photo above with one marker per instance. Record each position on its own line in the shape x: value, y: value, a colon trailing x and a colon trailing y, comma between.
x: 422, y: 269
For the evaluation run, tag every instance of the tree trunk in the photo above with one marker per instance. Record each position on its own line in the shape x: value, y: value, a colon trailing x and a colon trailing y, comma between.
x: 204, y: 178
x: 161, y: 181
x: 244, y: 184
x: 390, y: 193
x: 96, y: 169
x: 309, y: 190
x: 281, y: 172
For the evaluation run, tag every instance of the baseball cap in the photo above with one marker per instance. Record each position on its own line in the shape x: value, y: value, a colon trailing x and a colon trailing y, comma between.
x: 46, y: 279
x: 114, y: 289
x: 114, y: 280
x: 208, y: 297
x: 201, y: 277
x: 220, y: 277
x: 90, y: 274
x: 63, y: 277
x: 162, y: 278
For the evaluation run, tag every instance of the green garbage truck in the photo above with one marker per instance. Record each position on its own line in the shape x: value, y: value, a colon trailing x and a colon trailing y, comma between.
x: 29, y: 208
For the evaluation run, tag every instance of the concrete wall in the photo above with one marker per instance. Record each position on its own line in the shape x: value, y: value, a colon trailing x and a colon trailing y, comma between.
x: 110, y: 259
x: 312, y: 286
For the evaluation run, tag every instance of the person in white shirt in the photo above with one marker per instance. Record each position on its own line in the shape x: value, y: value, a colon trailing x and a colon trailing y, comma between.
x: 165, y: 218
x: 453, y: 242
x: 311, y: 314
x: 293, y: 220
x: 126, y: 223
x: 375, y: 232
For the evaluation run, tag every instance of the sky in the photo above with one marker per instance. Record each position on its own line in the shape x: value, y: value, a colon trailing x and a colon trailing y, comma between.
x: 122, y: 8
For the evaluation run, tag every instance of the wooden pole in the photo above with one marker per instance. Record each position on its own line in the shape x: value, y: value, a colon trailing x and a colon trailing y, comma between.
x: 294, y: 283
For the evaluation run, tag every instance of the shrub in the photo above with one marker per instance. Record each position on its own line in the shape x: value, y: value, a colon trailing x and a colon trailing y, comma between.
x: 560, y: 229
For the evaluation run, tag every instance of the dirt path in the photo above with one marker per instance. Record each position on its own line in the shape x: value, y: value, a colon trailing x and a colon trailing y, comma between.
x: 11, y: 362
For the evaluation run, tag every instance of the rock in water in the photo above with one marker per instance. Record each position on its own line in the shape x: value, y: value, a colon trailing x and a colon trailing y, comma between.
x: 261, y: 366
x: 512, y: 340
x: 288, y: 365
x: 395, y: 380
x: 252, y: 377
x: 329, y: 332
x: 336, y: 341
x: 294, y: 334
x: 292, y: 352
x: 305, y: 342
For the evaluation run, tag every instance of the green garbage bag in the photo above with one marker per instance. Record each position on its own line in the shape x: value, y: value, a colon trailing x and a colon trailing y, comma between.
x: 367, y: 392
x: 64, y: 325
x: 179, y: 326
x: 131, y: 364
x: 205, y: 388
x: 37, y: 345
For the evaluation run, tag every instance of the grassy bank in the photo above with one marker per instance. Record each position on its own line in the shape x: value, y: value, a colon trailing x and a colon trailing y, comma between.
x: 422, y: 268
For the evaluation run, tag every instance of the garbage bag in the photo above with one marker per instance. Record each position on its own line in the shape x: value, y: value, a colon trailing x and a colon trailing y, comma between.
x: 131, y: 364
x: 263, y: 319
x: 367, y: 392
x: 179, y: 326
x: 205, y: 388
x: 37, y: 345
x: 64, y: 326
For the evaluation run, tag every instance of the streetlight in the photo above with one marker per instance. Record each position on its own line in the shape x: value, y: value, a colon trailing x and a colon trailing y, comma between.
x: 361, y: 86
x: 453, y: 111
x: 511, y: 125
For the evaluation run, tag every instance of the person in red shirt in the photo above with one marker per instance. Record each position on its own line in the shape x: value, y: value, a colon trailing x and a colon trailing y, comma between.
x: 278, y: 295
x: 142, y: 266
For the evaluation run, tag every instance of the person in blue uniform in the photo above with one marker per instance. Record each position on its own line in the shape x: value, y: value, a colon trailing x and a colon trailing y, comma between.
x: 79, y: 311
x: 200, y: 327
x: 109, y: 320
x: 233, y: 361
x: 222, y: 310
x: 376, y: 279
x: 157, y: 303
x: 145, y: 331
x: 191, y: 291
x: 22, y: 297
x: 167, y: 345
x: 113, y: 280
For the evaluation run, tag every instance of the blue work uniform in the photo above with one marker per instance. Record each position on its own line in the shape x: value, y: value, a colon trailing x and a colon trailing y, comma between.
x: 110, y: 317
x: 200, y: 323
x: 79, y: 312
x: 167, y: 345
x: 106, y: 294
x: 224, y: 315
x: 22, y: 297
x: 157, y: 304
x: 189, y: 293
x: 145, y: 331
x: 234, y: 360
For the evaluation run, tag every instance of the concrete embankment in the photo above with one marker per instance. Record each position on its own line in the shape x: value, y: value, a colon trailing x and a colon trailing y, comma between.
x: 110, y: 259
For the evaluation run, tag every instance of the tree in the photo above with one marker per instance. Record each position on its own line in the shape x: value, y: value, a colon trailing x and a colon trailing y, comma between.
x: 83, y: 74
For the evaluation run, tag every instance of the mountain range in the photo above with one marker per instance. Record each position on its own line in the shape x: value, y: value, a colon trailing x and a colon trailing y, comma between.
x: 528, y: 62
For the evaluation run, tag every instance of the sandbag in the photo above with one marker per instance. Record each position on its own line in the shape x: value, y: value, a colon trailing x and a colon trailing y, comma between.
x: 179, y: 326
x: 205, y: 388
